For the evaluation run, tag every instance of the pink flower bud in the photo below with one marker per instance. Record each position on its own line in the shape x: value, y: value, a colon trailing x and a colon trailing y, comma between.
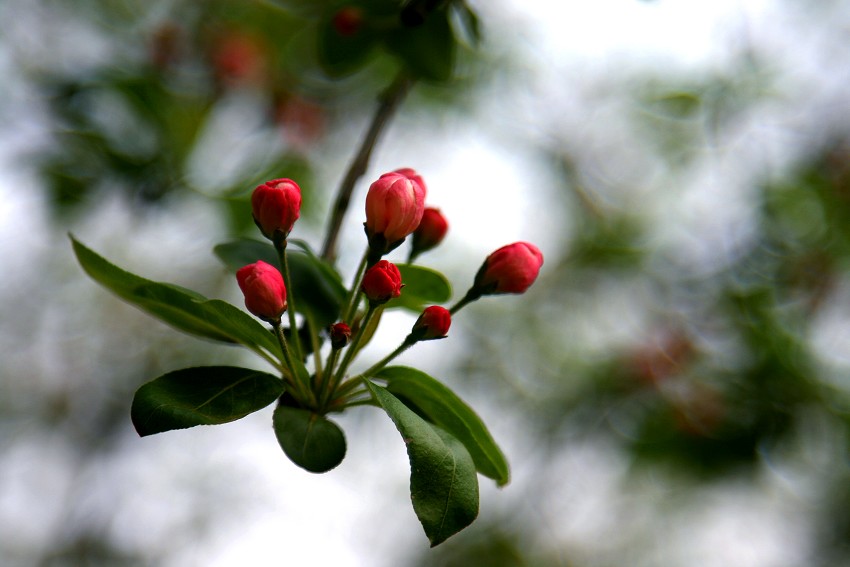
x: 394, y: 206
x: 347, y: 21
x: 434, y: 323
x: 340, y: 335
x: 264, y: 291
x: 430, y: 232
x: 381, y: 282
x: 510, y: 269
x: 276, y: 205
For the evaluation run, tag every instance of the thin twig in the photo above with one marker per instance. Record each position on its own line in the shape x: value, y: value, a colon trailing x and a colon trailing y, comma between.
x: 389, y: 103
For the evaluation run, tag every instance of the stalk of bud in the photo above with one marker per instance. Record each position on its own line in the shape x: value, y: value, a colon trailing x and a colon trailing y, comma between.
x: 276, y: 205
x: 381, y: 282
x: 264, y: 290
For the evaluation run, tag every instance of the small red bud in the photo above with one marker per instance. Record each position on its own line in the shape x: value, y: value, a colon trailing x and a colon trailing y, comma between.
x: 430, y: 232
x: 394, y: 207
x: 276, y: 205
x: 347, y: 21
x: 340, y: 335
x: 264, y: 291
x: 381, y: 282
x: 434, y: 323
x: 510, y: 269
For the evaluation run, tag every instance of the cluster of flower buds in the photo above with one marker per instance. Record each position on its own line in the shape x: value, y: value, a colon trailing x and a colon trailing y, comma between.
x: 395, y: 209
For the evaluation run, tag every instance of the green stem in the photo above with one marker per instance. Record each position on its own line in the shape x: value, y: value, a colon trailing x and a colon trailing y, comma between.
x: 352, y: 349
x: 390, y: 100
x: 351, y: 383
x: 314, y: 342
x: 351, y: 306
x: 408, y: 342
x: 301, y: 392
x: 280, y: 246
x: 467, y: 299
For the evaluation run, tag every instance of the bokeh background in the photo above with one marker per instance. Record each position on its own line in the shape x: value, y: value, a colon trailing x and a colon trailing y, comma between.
x: 673, y: 391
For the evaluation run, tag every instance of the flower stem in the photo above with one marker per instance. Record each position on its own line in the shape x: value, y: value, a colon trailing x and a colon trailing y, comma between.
x: 470, y: 296
x: 351, y: 306
x: 390, y: 100
x: 352, y: 383
x: 280, y: 246
x: 299, y: 389
x: 352, y: 350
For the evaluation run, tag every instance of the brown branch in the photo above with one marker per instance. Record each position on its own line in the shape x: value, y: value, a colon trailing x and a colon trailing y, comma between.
x: 389, y: 103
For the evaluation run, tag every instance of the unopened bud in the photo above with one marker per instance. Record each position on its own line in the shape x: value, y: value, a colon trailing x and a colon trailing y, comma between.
x: 340, y: 335
x: 433, y: 324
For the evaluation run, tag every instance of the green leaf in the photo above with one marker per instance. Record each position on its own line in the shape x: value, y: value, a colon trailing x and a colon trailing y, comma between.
x: 342, y: 55
x: 469, y: 22
x: 311, y: 441
x: 428, y: 51
x: 443, y: 483
x: 422, y: 287
x: 183, y: 309
x: 206, y: 395
x: 317, y: 286
x: 238, y: 253
x: 438, y: 404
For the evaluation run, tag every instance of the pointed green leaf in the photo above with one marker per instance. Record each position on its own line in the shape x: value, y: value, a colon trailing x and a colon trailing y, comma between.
x: 443, y: 483
x: 185, y: 310
x: 441, y: 406
x: 311, y: 441
x: 206, y: 395
x: 422, y: 287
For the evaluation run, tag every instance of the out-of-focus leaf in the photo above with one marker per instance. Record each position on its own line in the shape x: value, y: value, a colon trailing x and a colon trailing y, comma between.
x: 422, y: 287
x: 207, y: 395
x: 427, y: 51
x: 340, y: 55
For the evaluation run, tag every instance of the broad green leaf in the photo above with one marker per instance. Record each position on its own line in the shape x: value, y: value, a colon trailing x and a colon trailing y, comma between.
x: 317, y: 287
x: 428, y: 51
x: 422, y: 287
x: 441, y: 406
x: 311, y: 441
x: 206, y: 395
x: 183, y: 309
x: 443, y: 483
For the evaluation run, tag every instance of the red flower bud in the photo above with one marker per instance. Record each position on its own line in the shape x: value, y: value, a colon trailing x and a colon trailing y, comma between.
x: 394, y: 206
x: 340, y: 335
x: 347, y: 21
x: 510, y: 269
x: 276, y: 205
x: 264, y: 291
x: 434, y: 323
x: 381, y: 282
x: 430, y: 232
